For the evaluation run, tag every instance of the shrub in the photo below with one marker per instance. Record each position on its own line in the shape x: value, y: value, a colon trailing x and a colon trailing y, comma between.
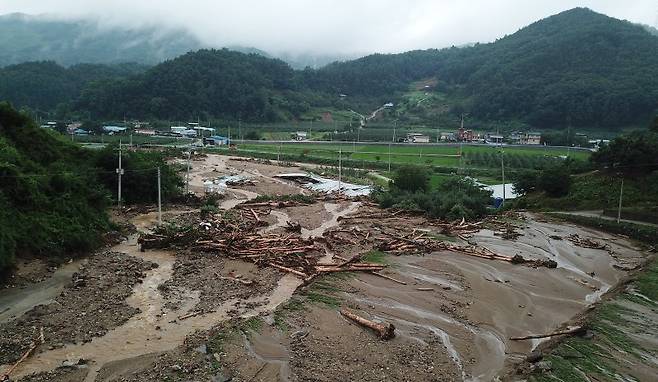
x: 411, y: 179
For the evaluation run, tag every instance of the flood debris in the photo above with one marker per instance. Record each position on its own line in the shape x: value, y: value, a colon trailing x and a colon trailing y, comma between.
x: 235, y: 235
x: 385, y: 330
x: 586, y: 242
x: 328, y: 186
x: 421, y: 244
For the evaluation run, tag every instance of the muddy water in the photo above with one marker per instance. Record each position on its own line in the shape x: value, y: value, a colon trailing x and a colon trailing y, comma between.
x: 153, y: 329
x: 15, y: 302
x: 336, y: 212
x: 501, y: 299
x: 235, y: 200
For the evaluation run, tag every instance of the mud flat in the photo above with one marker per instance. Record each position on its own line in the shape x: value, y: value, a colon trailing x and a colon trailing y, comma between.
x: 201, y: 316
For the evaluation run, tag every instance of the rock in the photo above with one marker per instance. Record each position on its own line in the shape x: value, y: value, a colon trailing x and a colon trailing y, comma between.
x: 299, y: 334
x: 534, y: 357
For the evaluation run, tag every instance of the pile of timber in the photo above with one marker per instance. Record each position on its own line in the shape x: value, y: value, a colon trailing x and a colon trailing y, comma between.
x: 585, y: 242
x: 234, y: 235
x: 187, y: 234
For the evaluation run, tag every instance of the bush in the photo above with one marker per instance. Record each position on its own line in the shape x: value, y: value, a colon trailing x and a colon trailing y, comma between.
x: 411, y: 179
x: 456, y: 198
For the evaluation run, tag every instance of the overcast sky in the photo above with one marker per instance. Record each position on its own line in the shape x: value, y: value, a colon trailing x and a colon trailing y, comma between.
x: 333, y: 26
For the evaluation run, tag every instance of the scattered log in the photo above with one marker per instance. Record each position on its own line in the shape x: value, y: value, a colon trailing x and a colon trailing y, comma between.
x: 425, y: 289
x: 255, y: 214
x: 293, y: 271
x: 574, y: 330
x: 28, y: 352
x: 385, y: 331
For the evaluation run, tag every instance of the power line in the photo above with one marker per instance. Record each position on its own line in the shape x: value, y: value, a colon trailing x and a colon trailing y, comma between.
x: 78, y: 173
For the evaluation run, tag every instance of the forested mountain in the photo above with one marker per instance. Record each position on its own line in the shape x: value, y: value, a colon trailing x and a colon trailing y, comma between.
x: 46, y: 85
x: 220, y: 83
x: 36, y: 38
x: 577, y: 67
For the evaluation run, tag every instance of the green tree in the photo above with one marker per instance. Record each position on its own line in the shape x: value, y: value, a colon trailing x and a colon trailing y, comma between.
x: 555, y: 181
x: 411, y: 179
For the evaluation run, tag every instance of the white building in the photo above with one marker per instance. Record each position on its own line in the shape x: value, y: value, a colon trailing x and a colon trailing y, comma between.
x: 417, y: 138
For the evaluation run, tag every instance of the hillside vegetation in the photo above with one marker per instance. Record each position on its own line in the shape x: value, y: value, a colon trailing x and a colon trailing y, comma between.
x: 576, y: 68
x: 54, y: 194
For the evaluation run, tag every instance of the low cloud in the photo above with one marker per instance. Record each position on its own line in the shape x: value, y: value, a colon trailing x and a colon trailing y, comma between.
x: 331, y: 26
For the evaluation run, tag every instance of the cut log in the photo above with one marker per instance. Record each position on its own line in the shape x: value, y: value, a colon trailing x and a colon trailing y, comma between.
x: 574, y: 330
x: 425, y: 289
x: 293, y: 271
x: 385, y: 330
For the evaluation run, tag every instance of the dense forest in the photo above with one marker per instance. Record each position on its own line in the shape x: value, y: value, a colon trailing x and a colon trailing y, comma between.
x: 577, y: 68
x: 54, y: 194
x: 47, y: 86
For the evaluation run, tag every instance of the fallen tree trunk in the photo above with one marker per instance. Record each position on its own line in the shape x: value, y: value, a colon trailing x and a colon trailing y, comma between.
x: 575, y: 330
x: 386, y: 330
x: 389, y: 278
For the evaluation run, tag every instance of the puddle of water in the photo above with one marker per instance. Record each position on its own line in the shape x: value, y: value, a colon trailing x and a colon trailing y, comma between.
x: 269, y: 349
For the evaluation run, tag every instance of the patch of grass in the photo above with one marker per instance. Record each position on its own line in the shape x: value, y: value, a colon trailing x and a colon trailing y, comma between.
x: 324, y: 299
x: 253, y: 324
x: 577, y: 356
x: 378, y: 257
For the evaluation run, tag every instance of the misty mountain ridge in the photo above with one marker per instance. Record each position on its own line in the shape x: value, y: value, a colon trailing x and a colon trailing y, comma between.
x: 25, y: 38
x: 577, y: 67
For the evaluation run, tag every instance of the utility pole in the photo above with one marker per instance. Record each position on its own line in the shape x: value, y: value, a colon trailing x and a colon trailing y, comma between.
x: 340, y: 168
x: 389, y: 158
x: 621, y: 193
x: 502, y: 166
x: 159, y: 199
x: 187, y: 174
x: 278, y: 154
x: 119, y: 173
x: 395, y: 124
x: 461, y: 157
